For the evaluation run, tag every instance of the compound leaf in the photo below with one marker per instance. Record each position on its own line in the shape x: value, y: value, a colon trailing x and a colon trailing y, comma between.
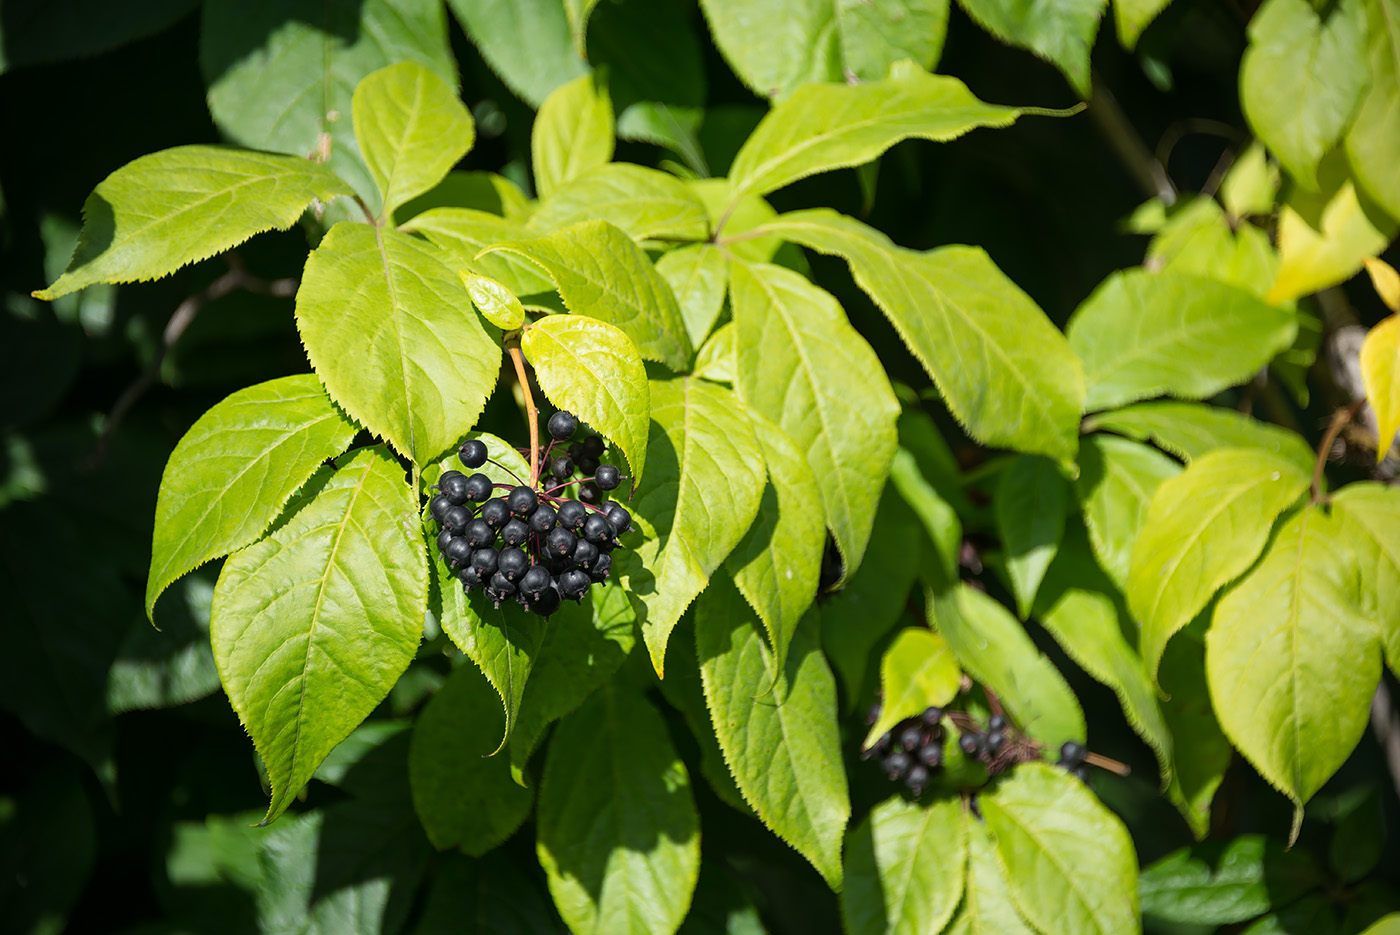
x: 412, y: 128
x: 573, y: 133
x: 391, y: 332
x: 159, y: 212
x: 706, y: 485
x: 917, y: 672
x: 1069, y: 861
x: 1204, y: 527
x: 776, y: 726
x: 904, y: 868
x: 235, y: 469
x: 618, y: 834
x: 602, y: 274
x: 642, y: 202
x: 464, y: 798
x: 312, y: 625
x: 801, y: 364
x: 1292, y: 659
x: 1142, y: 334
x: 592, y: 369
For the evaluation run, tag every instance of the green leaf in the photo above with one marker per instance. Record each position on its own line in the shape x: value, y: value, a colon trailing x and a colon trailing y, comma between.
x: 874, y: 36
x: 167, y: 667
x: 581, y: 649
x: 159, y: 212
x: 1142, y: 334
x: 715, y: 359
x: 1004, y: 370
x: 602, y: 274
x: 801, y: 364
x: 412, y: 128
x: 1189, y: 430
x: 917, y: 672
x: 503, y: 642
x: 1029, y: 506
x: 938, y: 516
x: 698, y: 277
x: 744, y: 216
x: 1292, y: 659
x: 987, y: 907
x: 1251, y: 184
x: 904, y: 868
x: 1302, y: 78
x: 1371, y: 515
x: 466, y: 232
x: 235, y: 469
x: 1204, y: 527
x: 510, y: 466
x: 526, y: 42
x: 1202, y: 240
x: 578, y: 12
x: 1222, y: 882
x: 777, y: 564
x: 619, y: 838
x: 855, y: 618
x: 1373, y: 142
x: 590, y: 368
x: 1201, y: 753
x: 573, y: 133
x: 835, y: 125
x: 776, y: 726
x: 486, y: 192
x: 1115, y: 485
x: 1069, y: 860
x: 281, y: 76
x: 645, y: 203
x: 1389, y: 925
x: 996, y: 651
x: 390, y: 330
x: 1061, y: 31
x: 464, y: 797
x: 495, y: 302
x: 295, y: 617
x: 707, y: 478
x: 1133, y: 16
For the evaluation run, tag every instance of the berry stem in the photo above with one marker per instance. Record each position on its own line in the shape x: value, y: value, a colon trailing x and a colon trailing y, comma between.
x: 532, y: 412
x: 1340, y: 419
x: 1108, y: 763
x: 507, y: 470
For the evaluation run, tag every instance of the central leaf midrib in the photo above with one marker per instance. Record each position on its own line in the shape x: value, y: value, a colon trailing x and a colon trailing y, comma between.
x: 394, y: 307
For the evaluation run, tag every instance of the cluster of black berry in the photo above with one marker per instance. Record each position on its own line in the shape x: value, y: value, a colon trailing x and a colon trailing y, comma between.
x: 912, y: 750
x: 534, y: 545
x: 1072, y: 756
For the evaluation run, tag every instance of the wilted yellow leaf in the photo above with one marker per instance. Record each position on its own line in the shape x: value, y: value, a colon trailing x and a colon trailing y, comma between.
x: 1380, y: 371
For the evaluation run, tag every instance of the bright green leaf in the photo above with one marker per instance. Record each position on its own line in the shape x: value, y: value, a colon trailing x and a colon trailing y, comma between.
x: 573, y: 133
x: 1142, y: 334
x: 1200, y: 750
x: 1251, y: 184
x: 715, y: 359
x: 777, y: 564
x: 776, y: 726
x: 991, y: 646
x: 917, y: 672
x: 1189, y: 430
x: 645, y: 203
x: 1380, y: 374
x: 1371, y: 514
x: 904, y: 868
x: 602, y: 274
x: 1389, y: 925
x: 1301, y: 79
x: 466, y: 232
x: 463, y: 797
x: 707, y: 478
x: 939, y: 518
x: 1221, y: 882
x: 873, y: 36
x: 1116, y: 481
x: 592, y: 369
x: 235, y: 469
x: 159, y: 212
x: 1005, y: 371
x: 1292, y: 660
x: 829, y: 126
x: 1060, y: 31
x: 744, y: 215
x: 527, y: 42
x: 412, y: 128
x: 987, y: 907
x: 698, y: 276
x: 1133, y: 16
x: 1029, y: 506
x: 1373, y: 142
x: 1202, y: 240
x: 1323, y: 240
x: 801, y: 364
x: 486, y: 192
x: 281, y: 76
x: 619, y: 838
x: 312, y: 626
x: 1069, y: 861
x: 495, y: 302
x: 1204, y: 527
x: 578, y: 12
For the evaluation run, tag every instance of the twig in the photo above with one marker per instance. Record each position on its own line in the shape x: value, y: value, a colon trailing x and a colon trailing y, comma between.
x: 531, y: 412
x: 1149, y: 173
x: 1340, y: 419
x: 237, y: 277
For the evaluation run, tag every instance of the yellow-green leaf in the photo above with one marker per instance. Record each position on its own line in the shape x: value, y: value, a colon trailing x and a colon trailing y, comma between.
x: 573, y: 133
x: 1323, y: 240
x: 917, y: 672
x: 1373, y: 142
x: 1380, y: 372
x: 495, y: 302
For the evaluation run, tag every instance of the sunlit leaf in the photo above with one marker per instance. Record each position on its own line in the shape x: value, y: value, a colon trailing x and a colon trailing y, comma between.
x: 642, y: 202
x: 1380, y: 373
x: 917, y: 672
x: 1116, y: 481
x: 573, y: 133
x: 1060, y: 31
x: 1189, y: 430
x: 1373, y: 142
x: 1030, y: 503
x: 1371, y: 514
x: 904, y: 868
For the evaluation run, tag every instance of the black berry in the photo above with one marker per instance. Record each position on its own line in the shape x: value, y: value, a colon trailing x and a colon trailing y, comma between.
x: 456, y: 518
x: 994, y: 742
x: 522, y: 500
x: 572, y: 514
x: 619, y: 517
x: 480, y: 535
x: 443, y: 538
x: 495, y: 512
x: 588, y: 492
x: 931, y: 716
x: 500, y: 587
x: 587, y: 465
x: 917, y: 778
x: 453, y: 485
x: 458, y: 552
x: 601, y: 566
x: 969, y: 743
x: 485, y: 562
x: 562, y: 425
x: 597, y: 529
x: 513, y: 563
x: 438, y: 507
x: 534, y: 581
x: 562, y: 467
x: 997, y: 722
x: 607, y: 476
x: 469, y: 577
x: 542, y: 520
x: 1072, y: 754
x: 931, y: 755
x: 895, y: 765
x: 593, y: 446
x: 573, y: 583
x: 585, y: 553
x: 547, y: 602
x: 479, y: 488
x: 472, y: 453
x: 560, y: 542
x: 911, y: 738
x: 514, y: 532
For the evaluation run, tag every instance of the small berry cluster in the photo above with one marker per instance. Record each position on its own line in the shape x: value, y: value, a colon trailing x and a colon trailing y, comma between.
x: 534, y: 545
x: 912, y: 750
x: 1072, y: 757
